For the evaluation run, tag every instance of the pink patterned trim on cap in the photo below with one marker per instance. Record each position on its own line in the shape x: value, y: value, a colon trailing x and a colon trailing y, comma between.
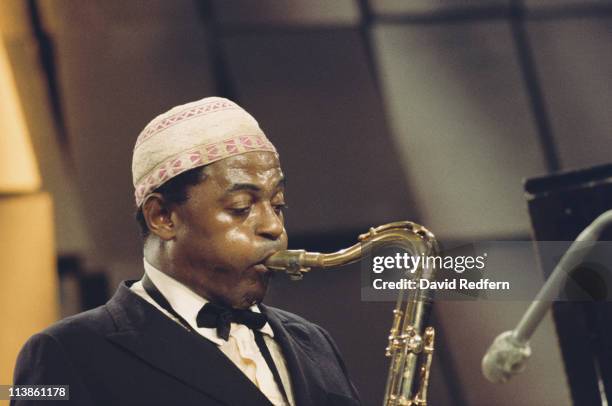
x: 199, y: 156
x: 202, y: 110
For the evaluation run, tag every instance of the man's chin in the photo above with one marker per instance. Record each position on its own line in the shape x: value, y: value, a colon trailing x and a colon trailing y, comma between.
x: 255, y: 294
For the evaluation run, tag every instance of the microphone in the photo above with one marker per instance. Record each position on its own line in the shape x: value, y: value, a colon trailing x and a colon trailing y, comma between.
x: 509, y: 352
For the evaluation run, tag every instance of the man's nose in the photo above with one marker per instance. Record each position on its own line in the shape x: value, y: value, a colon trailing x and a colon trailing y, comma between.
x: 270, y: 223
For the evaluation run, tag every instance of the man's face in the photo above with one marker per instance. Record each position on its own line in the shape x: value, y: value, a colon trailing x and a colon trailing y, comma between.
x: 231, y: 222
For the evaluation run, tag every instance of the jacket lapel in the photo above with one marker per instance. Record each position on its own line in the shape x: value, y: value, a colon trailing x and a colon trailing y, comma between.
x: 297, y: 351
x: 159, y: 341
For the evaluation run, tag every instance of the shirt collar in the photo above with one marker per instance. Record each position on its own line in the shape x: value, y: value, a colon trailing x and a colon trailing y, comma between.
x: 187, y: 303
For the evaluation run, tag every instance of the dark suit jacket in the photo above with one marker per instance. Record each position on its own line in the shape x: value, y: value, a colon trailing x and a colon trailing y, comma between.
x: 128, y: 353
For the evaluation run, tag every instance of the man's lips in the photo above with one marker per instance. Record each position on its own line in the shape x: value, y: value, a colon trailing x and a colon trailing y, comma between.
x: 261, y: 263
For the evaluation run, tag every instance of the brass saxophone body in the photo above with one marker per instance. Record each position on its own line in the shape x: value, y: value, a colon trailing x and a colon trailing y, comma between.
x: 408, y: 338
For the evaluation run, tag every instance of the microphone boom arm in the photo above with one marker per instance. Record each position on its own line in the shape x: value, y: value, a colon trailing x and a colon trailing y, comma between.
x: 510, y: 351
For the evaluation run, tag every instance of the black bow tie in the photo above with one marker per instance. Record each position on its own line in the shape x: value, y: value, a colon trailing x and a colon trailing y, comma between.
x: 221, y: 317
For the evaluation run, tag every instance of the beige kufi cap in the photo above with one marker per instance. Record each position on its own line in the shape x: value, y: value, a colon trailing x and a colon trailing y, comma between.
x: 192, y: 135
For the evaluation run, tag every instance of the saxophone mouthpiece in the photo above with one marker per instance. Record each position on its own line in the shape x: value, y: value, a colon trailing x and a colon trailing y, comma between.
x: 505, y: 358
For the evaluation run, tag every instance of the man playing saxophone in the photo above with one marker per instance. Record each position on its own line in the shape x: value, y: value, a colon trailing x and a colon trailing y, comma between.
x: 210, y: 194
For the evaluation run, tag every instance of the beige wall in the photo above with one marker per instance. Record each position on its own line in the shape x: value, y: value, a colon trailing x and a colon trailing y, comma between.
x: 28, y: 281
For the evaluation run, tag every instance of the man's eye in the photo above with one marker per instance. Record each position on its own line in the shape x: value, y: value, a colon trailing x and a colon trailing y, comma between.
x: 240, y: 211
x: 278, y: 208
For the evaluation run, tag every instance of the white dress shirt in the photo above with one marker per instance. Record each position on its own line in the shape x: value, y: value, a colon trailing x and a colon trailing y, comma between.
x: 240, y: 348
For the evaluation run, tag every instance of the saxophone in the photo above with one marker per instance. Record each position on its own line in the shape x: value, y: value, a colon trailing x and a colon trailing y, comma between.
x: 408, y: 339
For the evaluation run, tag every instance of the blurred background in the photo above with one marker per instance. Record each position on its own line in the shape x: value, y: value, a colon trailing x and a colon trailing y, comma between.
x: 428, y: 110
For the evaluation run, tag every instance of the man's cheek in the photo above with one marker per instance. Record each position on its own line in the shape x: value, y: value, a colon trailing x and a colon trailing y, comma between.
x: 238, y: 236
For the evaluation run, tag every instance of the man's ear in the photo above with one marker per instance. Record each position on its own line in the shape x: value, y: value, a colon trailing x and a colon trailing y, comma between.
x: 158, y: 216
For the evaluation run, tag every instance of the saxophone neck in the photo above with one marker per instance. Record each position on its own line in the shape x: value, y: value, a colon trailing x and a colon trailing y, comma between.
x: 413, y: 237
